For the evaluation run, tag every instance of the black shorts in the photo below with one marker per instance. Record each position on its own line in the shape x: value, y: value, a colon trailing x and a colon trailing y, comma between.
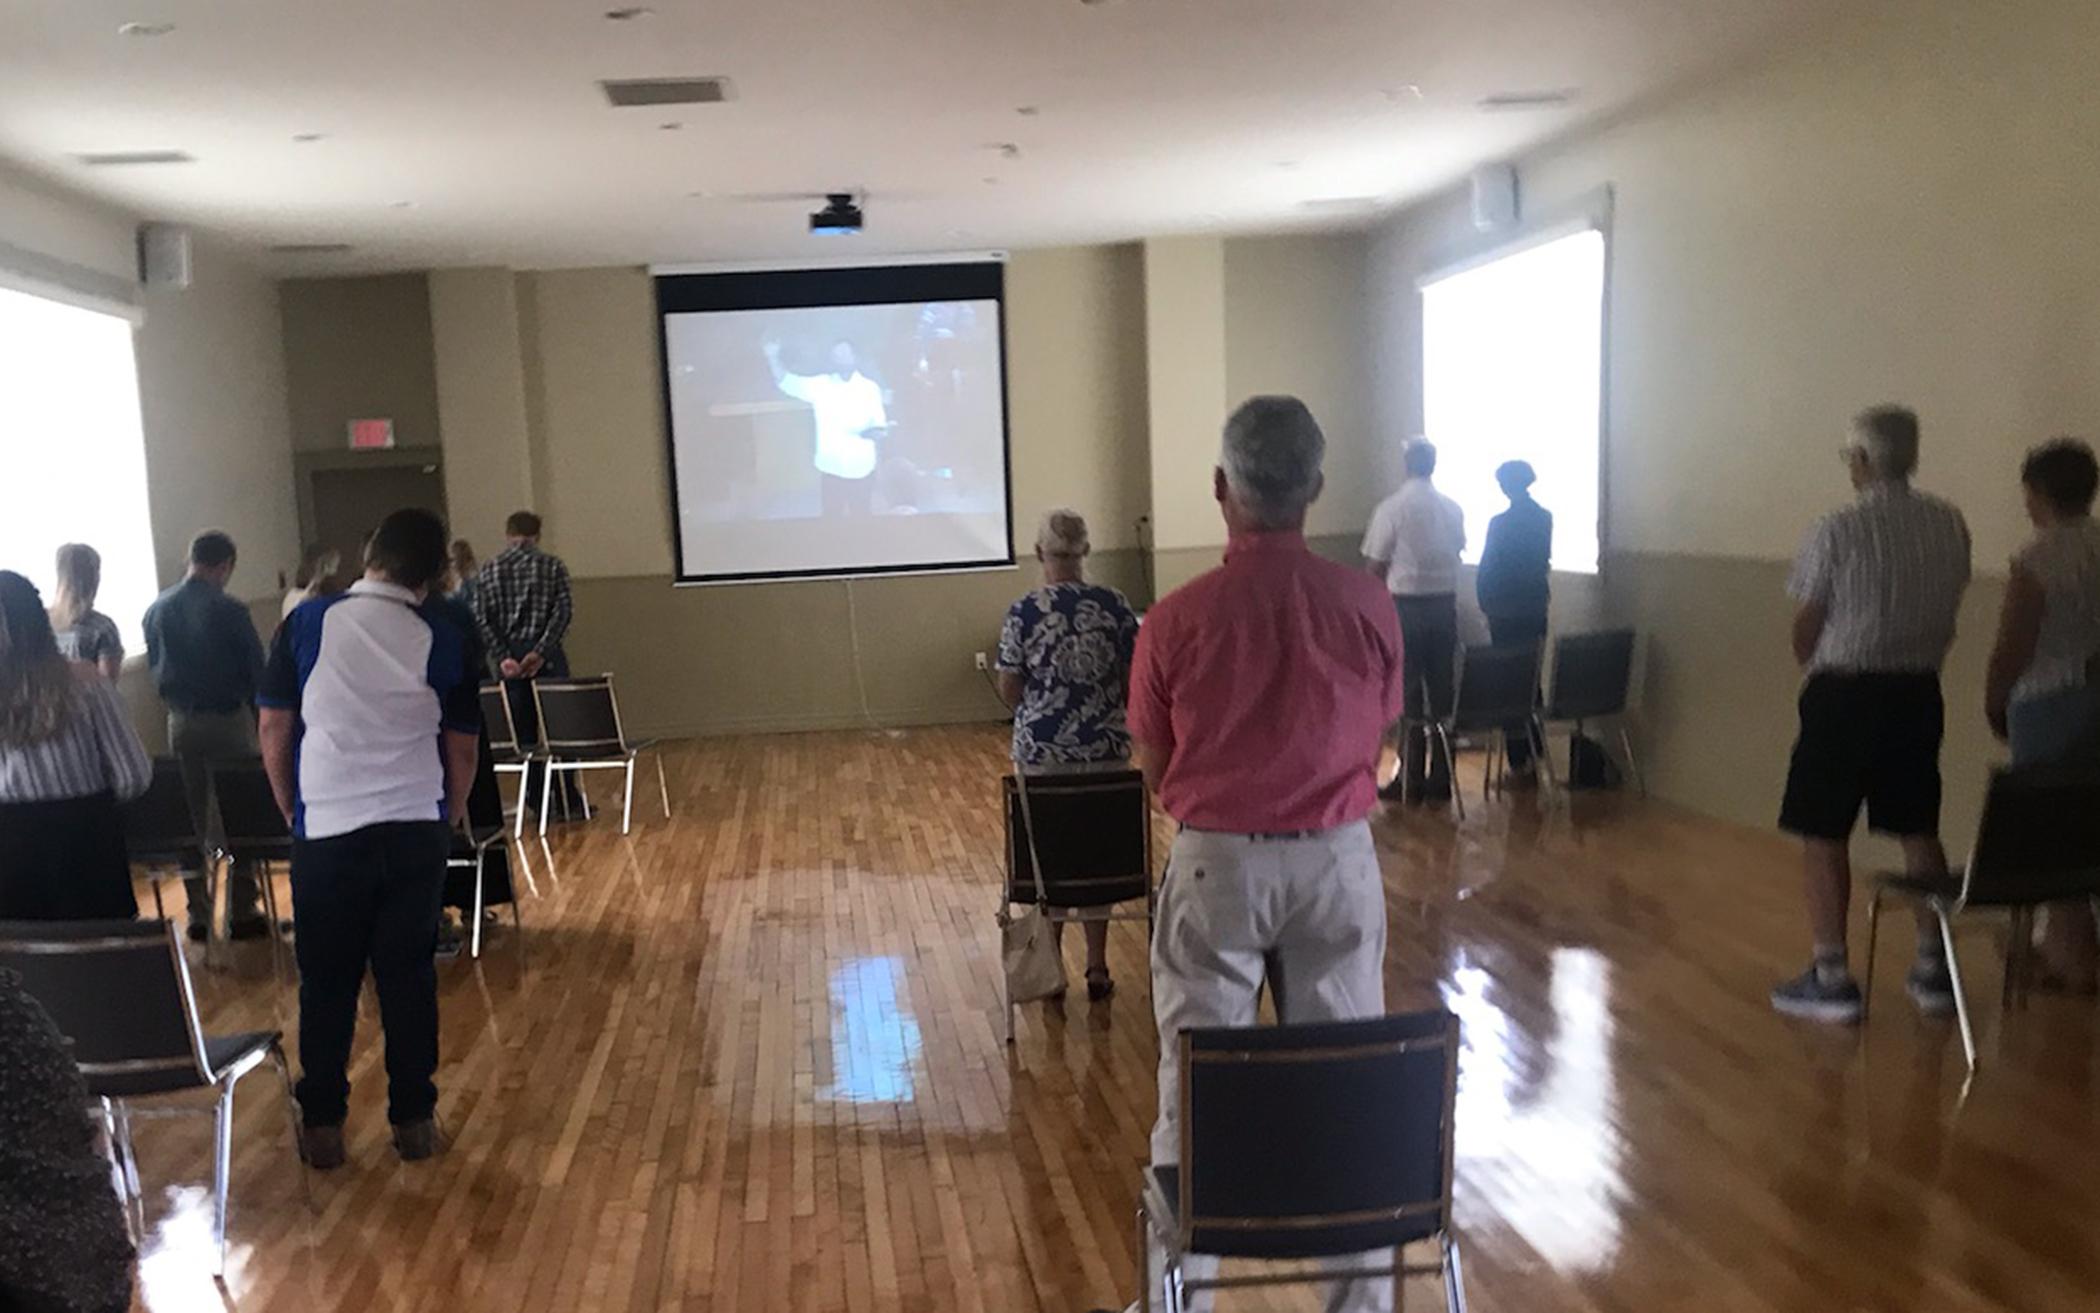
x: 1866, y: 738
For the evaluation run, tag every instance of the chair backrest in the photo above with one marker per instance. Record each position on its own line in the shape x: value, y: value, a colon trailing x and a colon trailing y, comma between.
x: 1317, y: 1139
x: 496, y: 719
x: 1592, y: 675
x: 159, y: 828
x: 2039, y: 840
x: 119, y: 991
x: 1093, y: 832
x: 249, y: 827
x: 1496, y: 685
x: 578, y: 715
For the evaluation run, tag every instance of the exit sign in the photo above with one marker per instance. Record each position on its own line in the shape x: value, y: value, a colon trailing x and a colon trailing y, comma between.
x: 371, y: 434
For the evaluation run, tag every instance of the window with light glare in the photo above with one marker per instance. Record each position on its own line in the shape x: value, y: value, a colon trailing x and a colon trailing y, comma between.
x: 73, y: 451
x: 1512, y: 369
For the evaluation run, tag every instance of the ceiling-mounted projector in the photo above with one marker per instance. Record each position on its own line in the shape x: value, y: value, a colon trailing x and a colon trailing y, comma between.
x: 840, y: 217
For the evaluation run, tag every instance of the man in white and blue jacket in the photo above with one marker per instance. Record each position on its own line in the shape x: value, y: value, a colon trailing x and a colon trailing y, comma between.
x: 370, y: 718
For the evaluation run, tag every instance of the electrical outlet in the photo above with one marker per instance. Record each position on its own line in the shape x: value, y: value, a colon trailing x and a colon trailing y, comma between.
x: 983, y: 662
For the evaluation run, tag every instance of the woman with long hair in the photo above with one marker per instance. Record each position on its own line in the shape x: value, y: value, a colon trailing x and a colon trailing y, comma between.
x: 460, y: 568
x: 83, y: 633
x: 68, y: 755
x: 316, y: 576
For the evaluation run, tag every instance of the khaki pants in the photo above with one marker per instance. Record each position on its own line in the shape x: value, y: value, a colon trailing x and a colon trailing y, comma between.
x: 1306, y: 916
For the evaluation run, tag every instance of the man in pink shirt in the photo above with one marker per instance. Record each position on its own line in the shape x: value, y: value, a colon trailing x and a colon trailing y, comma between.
x: 1257, y: 700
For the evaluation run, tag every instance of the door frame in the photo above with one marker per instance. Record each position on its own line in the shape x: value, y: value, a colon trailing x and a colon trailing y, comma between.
x: 306, y: 464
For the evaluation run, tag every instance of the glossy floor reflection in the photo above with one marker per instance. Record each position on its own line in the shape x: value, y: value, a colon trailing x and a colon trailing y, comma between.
x: 752, y: 1060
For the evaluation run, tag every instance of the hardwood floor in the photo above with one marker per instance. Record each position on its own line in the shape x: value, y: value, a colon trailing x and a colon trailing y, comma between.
x: 753, y: 1060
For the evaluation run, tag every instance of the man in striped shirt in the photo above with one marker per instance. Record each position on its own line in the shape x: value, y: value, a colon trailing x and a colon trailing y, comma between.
x: 1876, y: 587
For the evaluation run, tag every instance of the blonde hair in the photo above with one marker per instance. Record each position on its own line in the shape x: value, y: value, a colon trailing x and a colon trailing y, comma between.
x: 1063, y: 533
x: 37, y: 686
x: 79, y: 579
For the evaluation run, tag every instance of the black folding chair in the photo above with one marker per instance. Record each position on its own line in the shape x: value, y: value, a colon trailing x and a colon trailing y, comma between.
x: 2038, y: 843
x: 120, y: 992
x: 162, y: 836
x: 245, y: 828
x: 509, y: 756
x: 580, y: 730
x: 1093, y: 834
x: 478, y: 869
x: 1593, y: 680
x: 1308, y: 1141
x: 1497, y: 687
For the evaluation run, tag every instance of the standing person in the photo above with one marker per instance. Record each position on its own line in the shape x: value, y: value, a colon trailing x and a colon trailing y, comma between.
x: 206, y: 659
x: 521, y: 599
x: 1413, y: 543
x: 848, y: 411
x: 1514, y: 585
x: 67, y: 757
x: 370, y: 721
x: 1064, y: 667
x: 84, y: 634
x: 1876, y: 590
x: 460, y: 578
x: 1257, y: 708
x: 2041, y: 694
x: 317, y: 576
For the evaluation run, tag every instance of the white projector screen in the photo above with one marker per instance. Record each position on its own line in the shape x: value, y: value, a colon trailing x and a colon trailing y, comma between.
x: 837, y: 422
x: 1512, y: 369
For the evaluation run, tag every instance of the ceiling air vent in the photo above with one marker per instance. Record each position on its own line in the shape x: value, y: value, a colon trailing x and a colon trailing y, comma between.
x: 312, y: 248
x: 104, y: 159
x: 666, y: 91
x: 1522, y: 100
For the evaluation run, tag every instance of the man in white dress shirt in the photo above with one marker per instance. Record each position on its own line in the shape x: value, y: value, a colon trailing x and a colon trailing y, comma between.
x: 847, y: 406
x: 1414, y: 542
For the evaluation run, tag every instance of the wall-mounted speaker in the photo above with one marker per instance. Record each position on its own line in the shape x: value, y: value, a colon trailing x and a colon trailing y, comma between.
x: 1494, y: 197
x: 164, y: 255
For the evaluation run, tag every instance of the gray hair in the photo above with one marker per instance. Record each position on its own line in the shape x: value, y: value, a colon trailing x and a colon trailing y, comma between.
x: 1272, y: 454
x: 1888, y: 437
x: 1063, y: 533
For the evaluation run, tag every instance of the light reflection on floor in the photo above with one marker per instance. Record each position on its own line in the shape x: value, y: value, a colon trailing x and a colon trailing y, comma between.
x: 1540, y: 1125
x: 874, y: 1036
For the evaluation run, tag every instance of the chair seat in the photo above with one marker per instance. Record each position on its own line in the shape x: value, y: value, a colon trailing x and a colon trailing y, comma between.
x: 222, y: 1051
x: 600, y: 751
x: 511, y: 758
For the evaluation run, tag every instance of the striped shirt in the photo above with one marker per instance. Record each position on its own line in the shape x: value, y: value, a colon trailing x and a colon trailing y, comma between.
x: 521, y: 598
x: 95, y: 751
x: 1889, y: 570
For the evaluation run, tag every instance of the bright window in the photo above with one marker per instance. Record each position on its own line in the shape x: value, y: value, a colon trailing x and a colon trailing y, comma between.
x: 1512, y: 364
x: 73, y: 451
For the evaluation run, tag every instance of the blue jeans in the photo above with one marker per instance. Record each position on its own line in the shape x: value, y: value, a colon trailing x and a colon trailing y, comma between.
x: 2061, y: 728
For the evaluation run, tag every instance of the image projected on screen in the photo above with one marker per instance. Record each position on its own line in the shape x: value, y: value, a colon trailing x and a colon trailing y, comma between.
x: 837, y: 439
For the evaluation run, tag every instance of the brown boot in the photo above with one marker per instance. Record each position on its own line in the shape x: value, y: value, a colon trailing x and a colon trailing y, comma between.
x: 322, y: 1147
x: 415, y: 1141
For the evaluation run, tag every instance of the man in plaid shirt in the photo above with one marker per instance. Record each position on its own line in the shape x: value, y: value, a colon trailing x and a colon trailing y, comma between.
x: 521, y: 602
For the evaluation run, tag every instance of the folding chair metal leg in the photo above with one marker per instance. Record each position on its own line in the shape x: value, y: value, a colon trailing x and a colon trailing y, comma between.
x: 1961, y: 996
x: 1458, y: 795
x: 1144, y: 1258
x: 627, y: 797
x: 524, y: 797
x: 222, y: 1175
x: 1633, y: 763
x: 663, y: 790
x: 1866, y: 979
x: 1454, y: 1278
x: 266, y: 880
x: 291, y: 1112
x: 1543, y: 754
x: 127, y: 1149
x: 547, y: 796
x: 481, y: 859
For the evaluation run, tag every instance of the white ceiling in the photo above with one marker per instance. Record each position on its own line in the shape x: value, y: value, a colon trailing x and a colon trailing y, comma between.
x: 473, y: 132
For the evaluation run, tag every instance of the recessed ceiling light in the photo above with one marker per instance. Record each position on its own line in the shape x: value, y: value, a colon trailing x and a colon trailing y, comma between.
x: 1521, y: 100
x: 1287, y: 165
x: 1006, y: 150
x: 991, y: 182
x: 402, y: 205
x: 669, y: 127
x: 309, y: 138
x: 699, y: 195
x: 144, y: 29
x: 628, y: 13
x: 1028, y: 111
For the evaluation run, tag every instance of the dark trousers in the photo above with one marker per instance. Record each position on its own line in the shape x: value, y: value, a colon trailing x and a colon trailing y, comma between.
x: 1429, y: 646
x: 525, y: 714
x: 199, y: 738
x: 1517, y: 631
x: 848, y: 496
x: 369, y: 896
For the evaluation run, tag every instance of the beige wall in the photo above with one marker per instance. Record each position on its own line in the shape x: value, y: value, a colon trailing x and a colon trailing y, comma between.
x: 1898, y: 212
x: 1185, y: 388
x: 478, y: 357
x: 359, y: 348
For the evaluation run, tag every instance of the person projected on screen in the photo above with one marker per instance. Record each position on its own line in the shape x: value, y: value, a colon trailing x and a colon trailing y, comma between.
x: 848, y: 410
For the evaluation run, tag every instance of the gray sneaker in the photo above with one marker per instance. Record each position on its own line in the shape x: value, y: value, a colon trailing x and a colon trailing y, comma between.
x: 1810, y: 997
x: 415, y: 1141
x: 1930, y: 985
